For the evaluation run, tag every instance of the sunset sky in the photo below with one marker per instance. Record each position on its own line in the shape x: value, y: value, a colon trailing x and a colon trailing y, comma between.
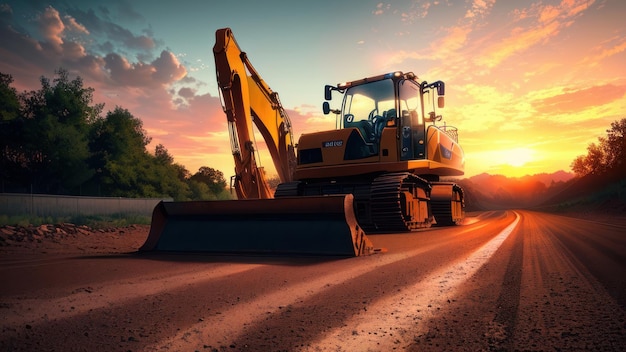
x: 529, y: 84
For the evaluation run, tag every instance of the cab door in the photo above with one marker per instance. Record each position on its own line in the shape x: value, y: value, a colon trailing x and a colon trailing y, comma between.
x: 412, y: 133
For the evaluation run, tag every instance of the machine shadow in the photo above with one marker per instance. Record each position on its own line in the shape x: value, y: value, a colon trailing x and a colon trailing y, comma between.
x: 198, y: 257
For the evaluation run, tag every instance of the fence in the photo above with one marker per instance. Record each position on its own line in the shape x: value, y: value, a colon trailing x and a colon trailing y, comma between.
x: 13, y: 204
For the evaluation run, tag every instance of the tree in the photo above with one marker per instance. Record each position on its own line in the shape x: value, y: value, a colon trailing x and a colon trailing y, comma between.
x: 605, y: 157
x: 273, y: 181
x: 11, y: 155
x: 162, y: 155
x: 200, y: 191
x: 213, y: 178
x: 126, y: 168
x: 119, y: 155
x: 54, y: 140
x: 9, y: 101
x: 579, y: 166
x: 54, y: 133
x: 615, y: 146
x: 171, y: 178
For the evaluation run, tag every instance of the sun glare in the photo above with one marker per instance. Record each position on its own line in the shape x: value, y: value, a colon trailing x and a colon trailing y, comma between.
x: 519, y: 156
x: 514, y: 162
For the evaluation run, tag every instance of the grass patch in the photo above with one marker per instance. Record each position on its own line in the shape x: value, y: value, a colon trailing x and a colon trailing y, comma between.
x: 611, y: 199
x: 93, y: 221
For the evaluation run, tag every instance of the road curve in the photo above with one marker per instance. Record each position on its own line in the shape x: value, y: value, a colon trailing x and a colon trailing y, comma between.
x: 506, y: 280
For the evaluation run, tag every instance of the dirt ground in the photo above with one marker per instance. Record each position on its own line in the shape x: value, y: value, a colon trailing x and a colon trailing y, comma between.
x: 546, y: 283
x: 16, y: 242
x: 68, y: 239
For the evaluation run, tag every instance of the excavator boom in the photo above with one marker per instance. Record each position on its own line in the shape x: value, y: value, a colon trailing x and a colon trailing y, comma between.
x: 248, y: 99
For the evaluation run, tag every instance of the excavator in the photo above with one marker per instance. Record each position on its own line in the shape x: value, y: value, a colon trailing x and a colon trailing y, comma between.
x: 379, y: 170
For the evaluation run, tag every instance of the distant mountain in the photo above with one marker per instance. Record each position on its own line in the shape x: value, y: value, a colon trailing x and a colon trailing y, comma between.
x: 559, y: 191
x: 485, y: 191
x: 545, y: 178
x: 548, y: 179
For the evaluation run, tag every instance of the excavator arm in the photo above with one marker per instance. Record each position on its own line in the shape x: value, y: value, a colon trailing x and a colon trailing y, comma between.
x: 247, y: 99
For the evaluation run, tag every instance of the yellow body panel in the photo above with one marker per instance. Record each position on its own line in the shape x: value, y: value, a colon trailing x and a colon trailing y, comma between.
x: 442, y: 149
x: 444, y: 156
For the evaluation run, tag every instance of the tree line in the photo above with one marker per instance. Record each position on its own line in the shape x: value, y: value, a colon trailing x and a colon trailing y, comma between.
x: 55, y: 140
x: 607, y: 157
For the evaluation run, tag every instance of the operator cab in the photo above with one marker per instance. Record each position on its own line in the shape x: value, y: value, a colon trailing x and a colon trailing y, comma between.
x: 369, y: 107
x: 372, y: 104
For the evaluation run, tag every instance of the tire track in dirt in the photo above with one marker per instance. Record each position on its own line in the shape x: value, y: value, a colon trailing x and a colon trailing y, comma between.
x: 85, y: 299
x: 502, y: 327
x: 597, y: 246
x: 178, y: 312
x: 562, y: 304
x: 397, y: 319
x: 228, y: 324
x: 289, y: 311
x: 159, y: 306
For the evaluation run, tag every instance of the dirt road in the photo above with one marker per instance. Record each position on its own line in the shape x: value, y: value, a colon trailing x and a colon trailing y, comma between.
x: 513, y: 280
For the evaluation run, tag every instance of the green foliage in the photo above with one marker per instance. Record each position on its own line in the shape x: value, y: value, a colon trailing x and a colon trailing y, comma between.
x: 93, y: 221
x: 54, y: 140
x: 9, y: 102
x: 118, y: 148
x: 30, y: 220
x: 50, y: 146
x: 214, y: 179
x: 610, y: 199
x: 11, y: 155
x: 606, y: 157
x: 106, y: 221
x: 273, y: 181
x: 125, y: 168
x: 65, y: 109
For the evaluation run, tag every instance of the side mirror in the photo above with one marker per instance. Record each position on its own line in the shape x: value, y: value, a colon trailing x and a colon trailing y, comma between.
x: 326, y: 107
x: 441, y: 88
x: 328, y: 92
x: 441, y: 102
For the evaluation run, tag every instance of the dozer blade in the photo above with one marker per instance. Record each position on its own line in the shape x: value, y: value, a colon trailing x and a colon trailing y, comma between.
x: 305, y: 225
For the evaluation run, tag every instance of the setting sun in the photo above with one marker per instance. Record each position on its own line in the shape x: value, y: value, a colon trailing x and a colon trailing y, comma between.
x: 512, y: 162
x: 518, y: 157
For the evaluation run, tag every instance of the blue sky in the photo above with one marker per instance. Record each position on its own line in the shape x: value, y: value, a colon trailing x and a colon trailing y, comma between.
x: 529, y: 83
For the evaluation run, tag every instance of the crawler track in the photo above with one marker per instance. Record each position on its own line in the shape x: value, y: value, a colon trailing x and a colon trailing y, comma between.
x: 388, y: 203
x: 446, y: 203
x: 395, y: 202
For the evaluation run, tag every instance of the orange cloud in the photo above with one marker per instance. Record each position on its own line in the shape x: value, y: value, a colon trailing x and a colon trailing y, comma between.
x: 549, y: 22
x: 479, y: 8
x: 576, y: 100
x: 381, y: 8
x: 519, y: 40
x: 444, y: 49
x: 51, y: 27
x: 73, y: 25
x: 164, y: 70
x: 607, y: 49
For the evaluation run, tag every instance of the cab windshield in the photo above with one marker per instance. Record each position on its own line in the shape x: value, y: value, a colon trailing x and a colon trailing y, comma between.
x: 365, y: 102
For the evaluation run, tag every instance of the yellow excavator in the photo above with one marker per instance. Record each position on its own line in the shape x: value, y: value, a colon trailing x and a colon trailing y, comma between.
x: 378, y: 171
